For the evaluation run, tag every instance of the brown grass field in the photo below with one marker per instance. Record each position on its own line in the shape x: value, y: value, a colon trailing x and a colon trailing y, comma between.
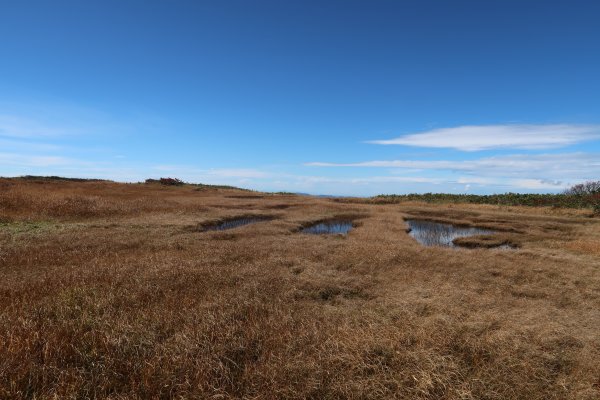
x: 112, y: 291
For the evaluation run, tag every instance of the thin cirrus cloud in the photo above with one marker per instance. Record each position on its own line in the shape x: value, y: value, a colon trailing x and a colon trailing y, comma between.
x: 245, y: 173
x: 25, y: 127
x: 43, y: 120
x: 32, y: 160
x: 539, y: 171
x: 19, y: 127
x: 487, y: 137
x: 571, y: 164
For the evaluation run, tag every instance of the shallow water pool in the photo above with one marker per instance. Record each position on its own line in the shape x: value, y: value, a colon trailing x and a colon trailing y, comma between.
x: 329, y: 227
x: 235, y: 222
x: 430, y: 233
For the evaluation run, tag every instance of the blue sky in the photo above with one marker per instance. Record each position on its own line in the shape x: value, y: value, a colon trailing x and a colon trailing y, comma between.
x: 325, y: 97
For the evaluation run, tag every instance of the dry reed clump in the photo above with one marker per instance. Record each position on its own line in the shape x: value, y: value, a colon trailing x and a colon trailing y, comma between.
x: 141, y: 307
x: 589, y: 246
x: 35, y: 202
x: 487, y: 241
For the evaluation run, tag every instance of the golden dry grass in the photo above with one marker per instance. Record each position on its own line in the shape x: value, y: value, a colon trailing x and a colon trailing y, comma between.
x: 109, y: 291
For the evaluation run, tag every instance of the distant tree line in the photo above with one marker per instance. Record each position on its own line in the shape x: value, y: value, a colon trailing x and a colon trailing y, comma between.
x: 584, y: 195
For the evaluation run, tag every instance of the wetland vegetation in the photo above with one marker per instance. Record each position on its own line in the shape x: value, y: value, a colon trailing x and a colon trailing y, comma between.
x: 106, y: 292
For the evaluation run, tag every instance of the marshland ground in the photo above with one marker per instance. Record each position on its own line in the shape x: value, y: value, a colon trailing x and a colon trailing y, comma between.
x: 117, y: 291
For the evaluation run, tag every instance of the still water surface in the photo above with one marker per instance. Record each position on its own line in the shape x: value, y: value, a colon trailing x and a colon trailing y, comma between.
x: 329, y: 227
x: 430, y: 233
x: 235, y: 222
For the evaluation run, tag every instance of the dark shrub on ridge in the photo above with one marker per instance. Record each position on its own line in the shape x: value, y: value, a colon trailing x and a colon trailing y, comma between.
x: 167, y: 181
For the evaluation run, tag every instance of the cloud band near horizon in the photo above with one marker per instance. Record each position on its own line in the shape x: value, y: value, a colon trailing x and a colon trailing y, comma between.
x: 488, y: 137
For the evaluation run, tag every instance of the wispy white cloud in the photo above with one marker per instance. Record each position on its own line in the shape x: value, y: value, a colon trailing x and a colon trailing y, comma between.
x: 574, y: 165
x: 379, y: 184
x: 19, y: 127
x: 486, y: 137
x: 184, y: 170
x: 27, y: 146
x: 33, y: 160
x: 532, y: 184
x: 29, y: 120
x: 517, y: 171
x: 537, y: 184
x: 301, y: 179
x: 238, y: 173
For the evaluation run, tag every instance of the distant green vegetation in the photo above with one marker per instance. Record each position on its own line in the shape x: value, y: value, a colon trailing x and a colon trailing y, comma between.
x: 166, y: 181
x: 583, y: 195
x: 203, y: 186
x: 507, y: 199
x: 179, y: 182
x: 58, y: 178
